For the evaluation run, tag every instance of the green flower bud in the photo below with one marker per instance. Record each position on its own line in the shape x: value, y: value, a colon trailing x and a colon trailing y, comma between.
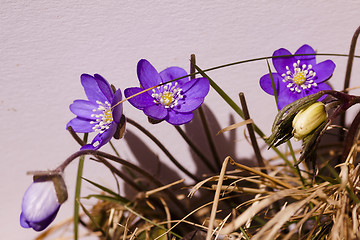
x: 308, y: 119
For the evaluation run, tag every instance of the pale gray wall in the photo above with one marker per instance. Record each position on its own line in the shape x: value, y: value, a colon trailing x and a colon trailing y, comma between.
x: 46, y: 45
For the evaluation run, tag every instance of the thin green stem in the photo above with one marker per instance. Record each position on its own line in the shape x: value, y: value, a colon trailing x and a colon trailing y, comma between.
x: 280, y: 56
x: 114, y: 149
x: 228, y: 65
x: 272, y: 82
x: 250, y: 128
x: 237, y: 109
x: 204, y: 121
x: 295, y: 161
x: 78, y: 191
x: 163, y: 148
x: 195, y: 149
x: 209, y: 138
x: 276, y: 96
x: 117, y: 154
x: 101, y: 155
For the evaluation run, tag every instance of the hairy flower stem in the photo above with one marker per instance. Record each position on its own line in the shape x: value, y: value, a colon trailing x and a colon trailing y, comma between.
x: 112, y: 168
x: 162, y: 147
x: 75, y: 136
x: 100, y: 155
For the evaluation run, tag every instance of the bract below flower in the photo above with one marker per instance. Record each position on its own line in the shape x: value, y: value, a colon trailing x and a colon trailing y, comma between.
x: 173, y: 101
x: 297, y: 76
x: 41, y: 203
x: 100, y: 114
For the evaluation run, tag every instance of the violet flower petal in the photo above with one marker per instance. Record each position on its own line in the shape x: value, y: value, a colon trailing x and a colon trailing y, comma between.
x: 307, y: 59
x: 39, y: 205
x: 84, y: 109
x: 171, y: 100
x: 156, y: 111
x: 321, y: 87
x: 176, y: 118
x: 172, y: 73
x: 140, y: 101
x: 117, y: 110
x: 102, y: 138
x: 199, y: 88
x: 80, y: 125
x: 92, y: 89
x: 188, y: 105
x: 147, y: 74
x: 324, y: 70
x: 281, y: 63
x: 266, y: 85
x: 297, y: 76
x: 104, y: 87
x: 100, y: 114
x: 285, y: 97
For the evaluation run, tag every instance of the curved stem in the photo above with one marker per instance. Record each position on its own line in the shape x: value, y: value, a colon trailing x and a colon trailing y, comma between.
x: 348, y: 75
x: 116, y: 171
x: 351, y: 59
x: 100, y: 155
x: 162, y: 147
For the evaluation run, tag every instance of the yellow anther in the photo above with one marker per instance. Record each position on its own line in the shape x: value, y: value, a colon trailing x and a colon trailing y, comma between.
x: 299, y: 78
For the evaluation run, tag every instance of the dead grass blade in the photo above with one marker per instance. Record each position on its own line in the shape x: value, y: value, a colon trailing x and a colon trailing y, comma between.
x: 216, y: 199
x: 236, y: 125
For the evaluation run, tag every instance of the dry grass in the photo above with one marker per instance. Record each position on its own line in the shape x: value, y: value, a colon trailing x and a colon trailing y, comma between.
x: 277, y: 206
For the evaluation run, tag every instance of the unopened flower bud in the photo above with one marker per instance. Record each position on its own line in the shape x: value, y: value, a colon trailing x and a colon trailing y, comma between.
x: 42, y: 201
x: 308, y: 119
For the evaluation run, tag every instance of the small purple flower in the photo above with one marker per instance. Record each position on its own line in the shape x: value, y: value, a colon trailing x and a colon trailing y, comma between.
x: 101, y: 113
x: 41, y: 203
x: 173, y: 101
x: 297, y: 76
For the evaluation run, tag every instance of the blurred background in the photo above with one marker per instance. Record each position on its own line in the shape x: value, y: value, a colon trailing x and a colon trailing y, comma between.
x: 46, y: 45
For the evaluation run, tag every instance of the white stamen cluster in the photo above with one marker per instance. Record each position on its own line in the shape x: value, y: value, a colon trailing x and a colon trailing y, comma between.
x: 167, y: 95
x: 104, y: 119
x: 300, y: 78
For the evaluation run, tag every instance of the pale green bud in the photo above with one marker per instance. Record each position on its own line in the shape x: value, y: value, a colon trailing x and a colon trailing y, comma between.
x: 308, y: 119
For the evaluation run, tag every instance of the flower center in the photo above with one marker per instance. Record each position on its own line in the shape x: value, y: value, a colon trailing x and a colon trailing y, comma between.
x: 166, y: 98
x: 104, y: 119
x: 300, y: 78
x: 167, y: 95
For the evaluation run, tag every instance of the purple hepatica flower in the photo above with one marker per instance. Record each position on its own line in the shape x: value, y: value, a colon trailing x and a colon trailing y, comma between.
x: 101, y: 113
x: 41, y: 203
x: 173, y: 101
x: 297, y: 76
